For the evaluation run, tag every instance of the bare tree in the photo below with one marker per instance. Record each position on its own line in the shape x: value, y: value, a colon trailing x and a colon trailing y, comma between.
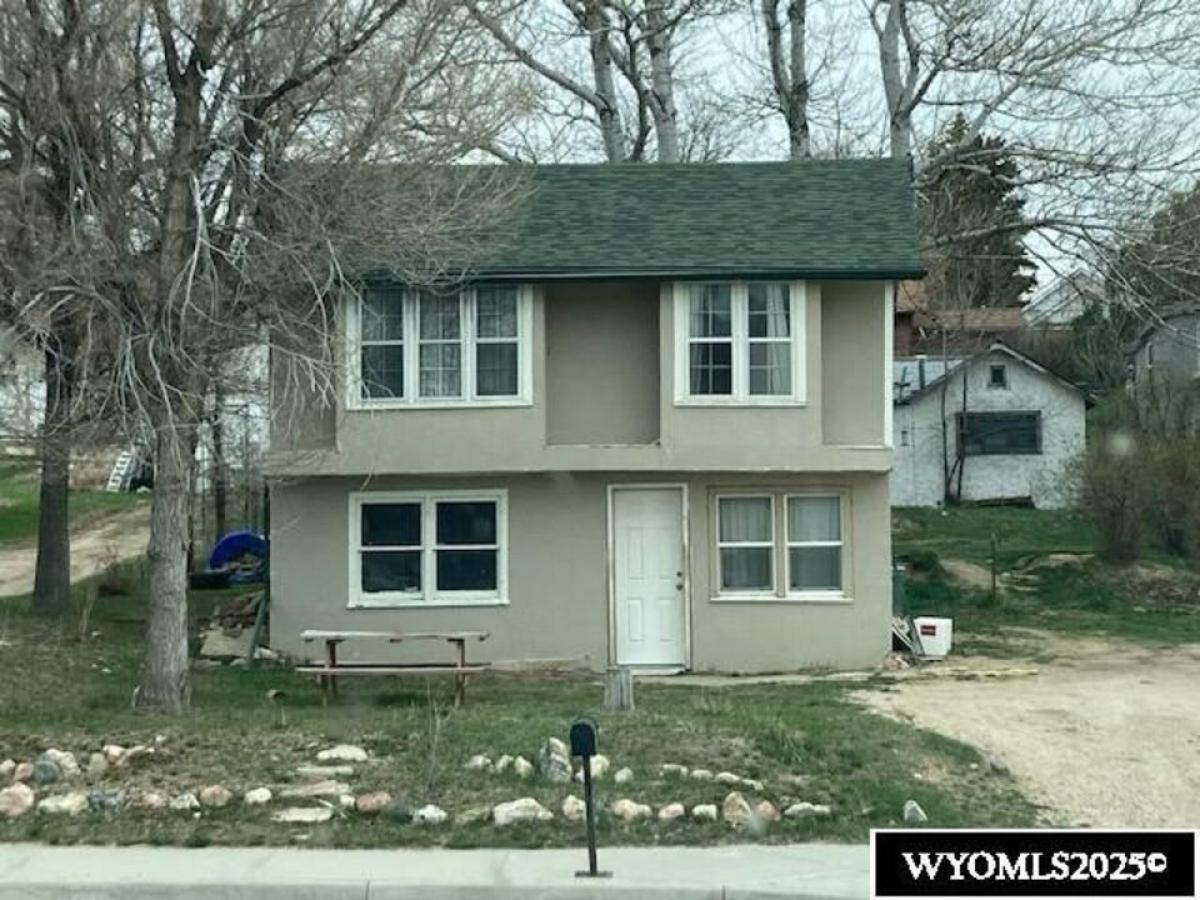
x: 789, y: 70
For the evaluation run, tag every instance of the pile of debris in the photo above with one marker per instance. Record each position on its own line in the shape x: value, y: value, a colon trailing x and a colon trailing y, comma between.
x: 238, y: 630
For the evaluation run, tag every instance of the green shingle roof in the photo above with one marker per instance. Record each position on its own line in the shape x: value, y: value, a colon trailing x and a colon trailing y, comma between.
x: 814, y: 219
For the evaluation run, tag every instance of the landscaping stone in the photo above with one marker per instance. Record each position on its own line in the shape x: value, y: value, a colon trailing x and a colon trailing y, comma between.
x: 68, y: 767
x: 112, y: 752
x: 727, y: 778
x: 913, y: 814
x: 346, y: 753
x: 257, y: 796
x: 303, y: 815
x: 705, y: 812
x: 600, y: 765
x: 398, y: 811
x: 526, y: 809
x: 315, y: 789
x: 751, y: 784
x: 71, y: 804
x: 673, y: 811
x: 184, y: 802
x: 215, y: 796
x: 474, y: 815
x: 45, y: 771
x: 478, y: 763
x: 804, y: 810
x: 320, y: 773
x: 23, y: 772
x: 16, y: 800
x: 559, y: 746
x: 133, y: 755
x: 106, y: 801
x: 766, y: 811
x: 373, y: 803
x: 702, y: 775
x: 97, y: 765
x: 675, y: 770
x: 573, y: 809
x: 347, y: 802
x: 999, y: 767
x: 152, y: 800
x: 554, y: 763
x: 503, y: 764
x: 630, y: 810
x: 7, y: 767
x: 735, y: 810
x: 623, y: 776
x: 522, y: 767
x: 430, y: 815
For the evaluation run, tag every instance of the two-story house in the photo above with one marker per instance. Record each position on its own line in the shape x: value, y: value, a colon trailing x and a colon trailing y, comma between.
x: 655, y: 432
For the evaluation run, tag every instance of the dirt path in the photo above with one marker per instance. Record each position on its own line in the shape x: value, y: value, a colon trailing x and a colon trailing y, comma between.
x: 1105, y: 734
x: 119, y: 535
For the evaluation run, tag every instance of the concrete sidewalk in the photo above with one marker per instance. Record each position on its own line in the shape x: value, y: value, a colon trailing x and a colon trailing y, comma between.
x: 811, y: 871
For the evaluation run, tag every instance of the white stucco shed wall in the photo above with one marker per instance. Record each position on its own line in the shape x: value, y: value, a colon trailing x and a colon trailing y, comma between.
x: 917, y: 465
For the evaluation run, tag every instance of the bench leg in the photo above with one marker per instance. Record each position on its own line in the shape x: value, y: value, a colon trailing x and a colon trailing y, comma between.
x: 460, y: 689
x: 331, y: 661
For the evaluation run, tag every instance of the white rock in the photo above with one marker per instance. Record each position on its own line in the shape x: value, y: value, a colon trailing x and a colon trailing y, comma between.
x: 673, y: 770
x: 113, y: 752
x: 525, y: 809
x: 803, y: 810
x: 7, y: 767
x: 913, y: 814
x: 503, y: 764
x: 727, y: 778
x: 766, y: 811
x: 315, y: 789
x: 600, y: 765
x: 752, y: 785
x: 23, y: 771
x: 558, y: 746
x: 16, y: 800
x: 215, y: 796
x: 573, y: 809
x: 257, y: 796
x: 478, y: 763
x: 71, y: 804
x: 97, y: 765
x: 474, y: 815
x: 303, y: 815
x: 705, y: 812
x: 702, y: 775
x: 152, y: 800
x: 65, y: 760
x: 132, y: 755
x: 673, y: 811
x: 347, y: 801
x: 343, y: 753
x: 185, y: 801
x: 522, y: 767
x: 630, y: 811
x: 735, y: 810
x: 623, y: 776
x: 373, y: 803
x: 320, y: 773
x: 430, y: 815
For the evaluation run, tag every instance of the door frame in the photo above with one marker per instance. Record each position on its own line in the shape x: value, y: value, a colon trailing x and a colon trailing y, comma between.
x: 611, y: 566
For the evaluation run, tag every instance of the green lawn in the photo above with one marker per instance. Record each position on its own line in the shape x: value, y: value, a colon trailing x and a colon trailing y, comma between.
x: 966, y: 533
x: 19, y: 502
x: 805, y: 742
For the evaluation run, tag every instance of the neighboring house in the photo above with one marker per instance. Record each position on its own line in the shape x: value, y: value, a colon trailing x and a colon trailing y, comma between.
x: 1022, y: 431
x: 653, y: 432
x: 1064, y: 300
x: 1168, y: 345
x: 22, y: 391
x: 925, y: 327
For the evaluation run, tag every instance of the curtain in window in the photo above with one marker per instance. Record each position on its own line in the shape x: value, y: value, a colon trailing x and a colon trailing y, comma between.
x: 496, y: 342
x: 710, y: 339
x: 441, y: 346
x: 745, y: 537
x: 814, y: 536
x: 769, y: 332
x: 382, y: 350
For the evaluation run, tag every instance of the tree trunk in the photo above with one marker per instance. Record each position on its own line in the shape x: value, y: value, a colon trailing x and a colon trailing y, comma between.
x: 607, y: 111
x: 52, y: 575
x: 220, y: 485
x: 165, y: 682
x: 797, y: 101
x: 662, y: 83
x: 894, y: 88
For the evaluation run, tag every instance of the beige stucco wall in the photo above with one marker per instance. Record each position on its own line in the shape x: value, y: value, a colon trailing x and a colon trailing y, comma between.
x: 852, y: 335
x: 602, y: 363
x: 558, y: 574
x: 839, y: 427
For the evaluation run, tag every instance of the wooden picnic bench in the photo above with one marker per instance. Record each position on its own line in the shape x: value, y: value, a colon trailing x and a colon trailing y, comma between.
x: 328, y: 672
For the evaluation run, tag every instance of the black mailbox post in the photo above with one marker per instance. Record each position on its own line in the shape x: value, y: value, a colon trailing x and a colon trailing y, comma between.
x: 583, y: 745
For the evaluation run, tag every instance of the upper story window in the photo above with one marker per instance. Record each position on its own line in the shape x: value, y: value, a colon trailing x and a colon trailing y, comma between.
x: 421, y: 347
x: 739, y: 342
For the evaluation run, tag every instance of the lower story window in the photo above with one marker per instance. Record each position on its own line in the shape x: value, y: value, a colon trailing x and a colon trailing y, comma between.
x: 746, y: 543
x: 413, y: 549
x: 814, y: 541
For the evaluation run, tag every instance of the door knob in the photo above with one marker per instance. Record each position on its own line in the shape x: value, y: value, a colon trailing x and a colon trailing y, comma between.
x: 679, y: 581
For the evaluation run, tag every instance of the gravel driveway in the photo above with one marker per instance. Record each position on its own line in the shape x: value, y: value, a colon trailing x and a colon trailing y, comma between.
x: 1106, y: 734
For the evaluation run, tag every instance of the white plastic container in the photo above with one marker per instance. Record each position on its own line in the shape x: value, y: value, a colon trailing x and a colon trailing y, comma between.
x: 936, y: 635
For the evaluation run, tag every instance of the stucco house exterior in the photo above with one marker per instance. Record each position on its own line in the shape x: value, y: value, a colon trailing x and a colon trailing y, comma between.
x: 654, y: 432
x: 1022, y: 431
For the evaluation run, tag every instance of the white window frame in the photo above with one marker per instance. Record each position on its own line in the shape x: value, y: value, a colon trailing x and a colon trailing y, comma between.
x: 739, y: 307
x: 412, y: 356
x: 429, y: 595
x: 822, y: 594
x: 771, y: 545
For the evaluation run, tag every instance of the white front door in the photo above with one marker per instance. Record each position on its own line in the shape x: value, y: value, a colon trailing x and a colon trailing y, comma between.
x: 648, y: 569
